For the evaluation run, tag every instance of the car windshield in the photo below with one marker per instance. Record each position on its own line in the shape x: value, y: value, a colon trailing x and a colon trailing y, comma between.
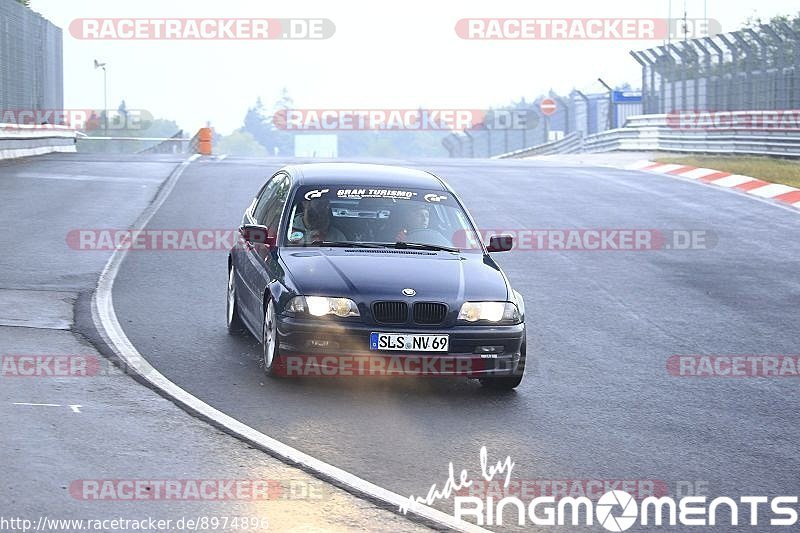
x: 376, y: 215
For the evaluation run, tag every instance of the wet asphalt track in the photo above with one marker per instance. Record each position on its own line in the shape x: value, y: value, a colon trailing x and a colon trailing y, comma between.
x: 597, y: 402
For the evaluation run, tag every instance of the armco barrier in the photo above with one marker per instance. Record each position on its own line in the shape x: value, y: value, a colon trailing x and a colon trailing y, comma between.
x: 569, y: 144
x: 177, y: 144
x: 27, y: 140
x: 133, y: 145
x: 653, y: 133
x: 174, y: 145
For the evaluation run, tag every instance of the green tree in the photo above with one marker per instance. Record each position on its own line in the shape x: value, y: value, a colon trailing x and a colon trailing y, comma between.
x: 239, y: 142
x: 791, y: 20
x: 260, y: 122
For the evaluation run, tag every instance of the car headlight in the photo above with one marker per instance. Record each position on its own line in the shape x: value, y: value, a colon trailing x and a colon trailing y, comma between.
x: 505, y: 312
x: 323, y: 305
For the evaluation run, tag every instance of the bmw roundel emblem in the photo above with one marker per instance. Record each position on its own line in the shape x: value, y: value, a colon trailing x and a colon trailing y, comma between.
x: 409, y: 292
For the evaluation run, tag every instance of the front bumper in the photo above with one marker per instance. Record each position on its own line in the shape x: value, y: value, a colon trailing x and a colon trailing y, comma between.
x: 326, y: 347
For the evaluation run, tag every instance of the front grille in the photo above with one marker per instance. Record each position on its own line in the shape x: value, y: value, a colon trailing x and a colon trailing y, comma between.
x: 390, y: 312
x: 429, y: 313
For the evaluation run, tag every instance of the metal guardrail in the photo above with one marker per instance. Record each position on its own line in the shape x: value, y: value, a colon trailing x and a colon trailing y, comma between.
x: 26, y: 140
x: 193, y: 143
x: 177, y: 144
x: 569, y: 144
x: 652, y: 133
x: 130, y: 145
x: 17, y: 140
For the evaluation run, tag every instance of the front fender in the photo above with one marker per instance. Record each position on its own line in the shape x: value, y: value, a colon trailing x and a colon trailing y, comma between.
x: 520, y: 303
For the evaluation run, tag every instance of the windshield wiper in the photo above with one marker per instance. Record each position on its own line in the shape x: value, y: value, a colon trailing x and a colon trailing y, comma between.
x: 345, y: 244
x: 424, y: 246
x: 412, y: 245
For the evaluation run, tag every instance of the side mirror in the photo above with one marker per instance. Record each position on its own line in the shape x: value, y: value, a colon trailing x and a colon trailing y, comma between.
x: 257, y: 234
x: 501, y: 243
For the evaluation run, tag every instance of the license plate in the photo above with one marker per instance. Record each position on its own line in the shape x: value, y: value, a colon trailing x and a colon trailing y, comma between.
x: 408, y: 342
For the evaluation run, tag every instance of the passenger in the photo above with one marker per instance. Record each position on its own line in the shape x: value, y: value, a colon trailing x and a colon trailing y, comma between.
x: 316, y: 222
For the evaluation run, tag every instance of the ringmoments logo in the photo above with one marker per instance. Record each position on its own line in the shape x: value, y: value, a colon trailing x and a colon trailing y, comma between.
x: 605, y: 508
x: 615, y: 510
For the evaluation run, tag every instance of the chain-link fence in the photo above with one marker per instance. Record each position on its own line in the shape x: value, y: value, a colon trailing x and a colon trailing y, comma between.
x: 574, y: 113
x: 752, y: 69
x: 31, y: 60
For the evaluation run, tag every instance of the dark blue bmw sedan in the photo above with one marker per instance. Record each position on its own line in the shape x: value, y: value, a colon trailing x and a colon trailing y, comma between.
x: 351, y: 269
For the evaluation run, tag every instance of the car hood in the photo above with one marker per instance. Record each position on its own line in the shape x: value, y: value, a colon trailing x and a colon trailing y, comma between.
x: 379, y: 274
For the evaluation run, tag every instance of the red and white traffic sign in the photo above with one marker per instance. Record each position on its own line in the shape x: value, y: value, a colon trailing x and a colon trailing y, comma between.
x: 548, y: 106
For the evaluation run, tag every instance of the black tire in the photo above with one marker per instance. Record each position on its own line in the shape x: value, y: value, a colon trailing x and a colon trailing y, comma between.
x: 271, y: 356
x: 234, y: 321
x: 507, y: 383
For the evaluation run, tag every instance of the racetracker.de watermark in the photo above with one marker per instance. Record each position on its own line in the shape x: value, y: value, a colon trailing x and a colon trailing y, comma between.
x: 197, y: 489
x: 57, y: 366
x: 78, y: 119
x: 45, y: 366
x: 185, y: 239
x: 585, y: 28
x: 406, y: 365
x: 201, y: 29
x: 564, y: 488
x: 784, y: 120
x: 734, y: 366
x: 348, y: 119
x: 594, y: 239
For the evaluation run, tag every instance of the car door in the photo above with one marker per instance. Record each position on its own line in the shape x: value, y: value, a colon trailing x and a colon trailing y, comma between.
x: 241, y: 258
x: 261, y: 265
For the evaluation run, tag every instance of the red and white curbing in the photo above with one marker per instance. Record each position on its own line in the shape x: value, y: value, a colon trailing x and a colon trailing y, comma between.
x: 756, y: 187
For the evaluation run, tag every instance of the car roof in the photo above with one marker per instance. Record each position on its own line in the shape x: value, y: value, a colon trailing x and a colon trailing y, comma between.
x: 363, y: 174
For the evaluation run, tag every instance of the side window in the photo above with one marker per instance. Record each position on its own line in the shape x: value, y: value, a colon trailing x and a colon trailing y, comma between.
x: 272, y: 213
x: 263, y: 200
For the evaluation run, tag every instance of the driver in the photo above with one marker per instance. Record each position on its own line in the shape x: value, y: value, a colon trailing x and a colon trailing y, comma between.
x: 316, y: 222
x: 416, y: 219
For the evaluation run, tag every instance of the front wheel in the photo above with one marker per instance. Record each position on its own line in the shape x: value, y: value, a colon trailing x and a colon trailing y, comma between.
x: 271, y: 353
x: 509, y: 382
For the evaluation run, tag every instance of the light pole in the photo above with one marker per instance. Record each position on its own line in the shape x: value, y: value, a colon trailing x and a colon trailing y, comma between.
x: 669, y: 21
x: 98, y: 65
x: 610, y: 103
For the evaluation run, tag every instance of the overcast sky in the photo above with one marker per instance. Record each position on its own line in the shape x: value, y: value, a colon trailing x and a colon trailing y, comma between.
x: 383, y: 55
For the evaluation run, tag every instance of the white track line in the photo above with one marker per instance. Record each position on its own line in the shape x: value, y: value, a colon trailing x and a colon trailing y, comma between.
x: 697, y: 173
x: 771, y: 190
x: 731, y: 181
x: 638, y: 165
x: 666, y: 167
x: 108, y: 325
